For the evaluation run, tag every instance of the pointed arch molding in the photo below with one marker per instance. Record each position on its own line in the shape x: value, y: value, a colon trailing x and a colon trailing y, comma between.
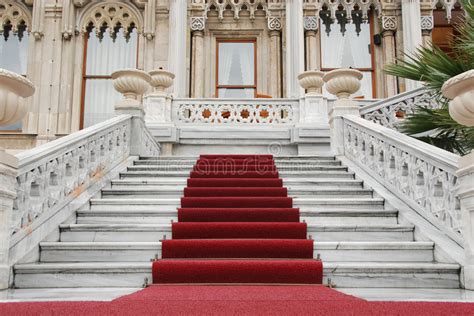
x: 127, y: 14
x: 16, y: 14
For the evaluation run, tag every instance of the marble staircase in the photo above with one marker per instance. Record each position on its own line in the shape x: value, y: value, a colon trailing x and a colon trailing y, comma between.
x: 357, y: 234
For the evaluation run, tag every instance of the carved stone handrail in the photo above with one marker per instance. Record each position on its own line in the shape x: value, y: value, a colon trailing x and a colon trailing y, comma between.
x: 384, y: 112
x: 422, y: 175
x: 235, y: 111
x: 50, y: 175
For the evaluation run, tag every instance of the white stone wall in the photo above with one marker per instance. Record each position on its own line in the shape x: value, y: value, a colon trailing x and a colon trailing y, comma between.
x: 169, y: 39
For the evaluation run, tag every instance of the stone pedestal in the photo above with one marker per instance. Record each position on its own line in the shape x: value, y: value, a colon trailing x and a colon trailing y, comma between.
x: 7, y: 196
x: 311, y: 134
x: 340, y: 108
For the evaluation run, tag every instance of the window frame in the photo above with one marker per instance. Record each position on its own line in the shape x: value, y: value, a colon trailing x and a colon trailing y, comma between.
x: 235, y: 87
x: 86, y: 77
x: 372, y: 55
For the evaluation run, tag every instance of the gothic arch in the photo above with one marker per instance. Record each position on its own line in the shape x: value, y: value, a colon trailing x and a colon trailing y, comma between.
x: 14, y: 17
x: 110, y: 14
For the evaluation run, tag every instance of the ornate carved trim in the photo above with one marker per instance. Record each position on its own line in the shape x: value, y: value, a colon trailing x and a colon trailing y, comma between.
x: 198, y: 23
x: 14, y: 18
x: 274, y: 24
x: 427, y: 22
x: 111, y: 16
x: 311, y: 23
x: 389, y: 23
x: 448, y: 6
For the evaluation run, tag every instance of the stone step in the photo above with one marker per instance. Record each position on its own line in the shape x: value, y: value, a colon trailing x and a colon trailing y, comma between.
x: 283, y: 174
x: 177, y: 193
x: 331, y: 217
x: 342, y: 274
x: 288, y: 183
x: 145, y: 251
x: 159, y: 204
x: 156, y: 232
x: 281, y: 168
x: 276, y: 158
x: 278, y: 163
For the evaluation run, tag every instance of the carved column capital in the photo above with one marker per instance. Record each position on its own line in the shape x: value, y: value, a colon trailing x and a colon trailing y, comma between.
x: 274, y: 24
x: 197, y: 23
x: 389, y: 23
x: 427, y: 23
x: 311, y: 23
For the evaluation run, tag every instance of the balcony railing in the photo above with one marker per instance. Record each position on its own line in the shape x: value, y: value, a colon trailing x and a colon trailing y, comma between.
x: 235, y: 111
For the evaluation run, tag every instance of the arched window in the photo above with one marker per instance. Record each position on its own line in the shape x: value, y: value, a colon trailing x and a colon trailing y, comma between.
x: 14, y: 24
x: 347, y: 43
x: 111, y: 43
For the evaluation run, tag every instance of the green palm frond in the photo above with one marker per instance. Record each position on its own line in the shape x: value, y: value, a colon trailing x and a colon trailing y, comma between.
x: 432, y: 66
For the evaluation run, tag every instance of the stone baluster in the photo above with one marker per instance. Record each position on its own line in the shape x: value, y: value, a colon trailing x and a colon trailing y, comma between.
x: 13, y: 88
x: 342, y: 83
x: 460, y: 89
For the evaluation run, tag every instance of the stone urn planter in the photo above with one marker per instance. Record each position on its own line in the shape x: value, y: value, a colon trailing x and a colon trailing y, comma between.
x: 343, y: 82
x: 13, y: 88
x: 161, y: 80
x: 132, y: 83
x: 312, y: 81
x: 460, y: 89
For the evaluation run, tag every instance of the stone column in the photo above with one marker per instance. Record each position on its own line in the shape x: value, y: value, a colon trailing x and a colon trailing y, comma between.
x: 197, y: 57
x: 389, y: 27
x: 294, y: 47
x: 177, y: 48
x: 274, y: 32
x: 427, y: 24
x: 311, y: 32
x: 411, y: 19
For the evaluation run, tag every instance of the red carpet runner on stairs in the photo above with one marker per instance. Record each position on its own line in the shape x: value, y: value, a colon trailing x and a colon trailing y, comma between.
x: 237, y: 224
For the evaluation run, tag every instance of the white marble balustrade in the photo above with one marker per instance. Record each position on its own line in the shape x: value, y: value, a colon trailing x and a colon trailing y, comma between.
x: 235, y: 111
x: 389, y: 112
x: 420, y: 174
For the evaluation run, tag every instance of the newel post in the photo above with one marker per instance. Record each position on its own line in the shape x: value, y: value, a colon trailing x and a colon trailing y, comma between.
x: 132, y: 83
x: 342, y: 83
x: 460, y: 89
x: 13, y: 89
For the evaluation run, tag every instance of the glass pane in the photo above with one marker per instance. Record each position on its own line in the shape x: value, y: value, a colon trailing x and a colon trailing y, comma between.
x: 236, y: 64
x: 237, y: 93
x: 106, y: 55
x: 348, y: 50
x: 13, y: 53
x: 99, y: 101
x: 365, y: 90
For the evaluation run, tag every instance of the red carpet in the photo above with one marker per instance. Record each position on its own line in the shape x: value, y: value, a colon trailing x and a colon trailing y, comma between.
x: 243, y: 182
x: 238, y: 215
x: 237, y: 300
x: 189, y: 230
x: 237, y: 202
x: 234, y: 174
x: 237, y: 224
x: 243, y: 192
x: 237, y: 248
x: 237, y: 271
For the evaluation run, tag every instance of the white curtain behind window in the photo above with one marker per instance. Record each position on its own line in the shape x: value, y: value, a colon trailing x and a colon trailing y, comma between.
x: 104, y: 57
